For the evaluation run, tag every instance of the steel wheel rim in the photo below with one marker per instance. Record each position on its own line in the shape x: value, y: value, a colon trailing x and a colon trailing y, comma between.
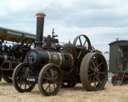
x: 51, y: 80
x: 97, y: 71
x: 21, y: 78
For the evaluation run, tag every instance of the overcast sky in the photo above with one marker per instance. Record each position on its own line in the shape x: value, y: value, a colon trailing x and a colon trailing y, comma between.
x: 102, y: 20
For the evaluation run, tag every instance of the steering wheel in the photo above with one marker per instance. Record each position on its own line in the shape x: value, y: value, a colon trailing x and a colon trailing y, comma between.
x: 82, y: 41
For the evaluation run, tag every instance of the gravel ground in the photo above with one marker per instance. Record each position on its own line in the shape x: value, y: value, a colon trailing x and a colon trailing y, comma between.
x: 76, y: 94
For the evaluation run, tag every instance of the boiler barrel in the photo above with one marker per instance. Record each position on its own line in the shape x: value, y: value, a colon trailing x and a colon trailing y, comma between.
x: 42, y: 57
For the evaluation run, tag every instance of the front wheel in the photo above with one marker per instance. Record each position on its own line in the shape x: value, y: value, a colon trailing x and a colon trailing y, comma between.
x: 50, y: 80
x: 21, y: 78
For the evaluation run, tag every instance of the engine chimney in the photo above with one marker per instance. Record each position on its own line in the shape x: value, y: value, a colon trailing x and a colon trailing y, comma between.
x: 39, y: 29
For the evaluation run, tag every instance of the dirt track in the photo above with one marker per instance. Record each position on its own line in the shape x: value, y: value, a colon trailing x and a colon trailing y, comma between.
x: 110, y: 94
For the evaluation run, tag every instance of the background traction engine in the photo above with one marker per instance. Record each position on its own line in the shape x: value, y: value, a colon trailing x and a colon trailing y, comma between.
x: 10, y: 57
x: 52, y: 65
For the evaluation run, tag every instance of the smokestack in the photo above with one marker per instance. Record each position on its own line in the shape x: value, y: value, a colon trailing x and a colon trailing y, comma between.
x: 39, y: 29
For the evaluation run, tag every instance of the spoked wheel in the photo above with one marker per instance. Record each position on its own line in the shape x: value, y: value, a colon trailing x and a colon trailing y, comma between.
x: 68, y: 84
x: 93, y: 71
x: 82, y: 41
x: 21, y: 78
x: 50, y: 79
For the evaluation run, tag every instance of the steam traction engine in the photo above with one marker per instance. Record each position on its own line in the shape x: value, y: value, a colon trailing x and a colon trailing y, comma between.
x: 10, y: 57
x: 13, y: 47
x: 52, y: 65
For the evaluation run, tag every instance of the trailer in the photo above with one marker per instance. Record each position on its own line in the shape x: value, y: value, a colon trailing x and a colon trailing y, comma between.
x: 118, y: 63
x: 16, y: 36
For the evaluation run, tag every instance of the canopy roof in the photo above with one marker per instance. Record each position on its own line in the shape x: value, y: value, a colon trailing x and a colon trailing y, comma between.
x: 119, y: 42
x: 17, y: 36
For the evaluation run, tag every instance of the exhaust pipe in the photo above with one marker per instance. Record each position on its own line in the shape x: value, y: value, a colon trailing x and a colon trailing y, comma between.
x: 39, y: 29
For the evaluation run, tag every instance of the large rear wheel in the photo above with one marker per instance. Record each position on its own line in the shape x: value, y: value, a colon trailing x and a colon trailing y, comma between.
x: 93, y: 71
